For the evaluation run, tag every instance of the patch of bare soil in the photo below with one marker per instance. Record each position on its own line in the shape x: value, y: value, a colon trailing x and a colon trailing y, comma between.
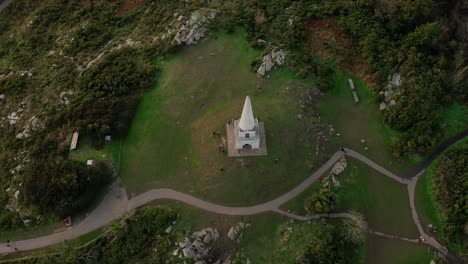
x: 127, y: 6
x: 327, y: 40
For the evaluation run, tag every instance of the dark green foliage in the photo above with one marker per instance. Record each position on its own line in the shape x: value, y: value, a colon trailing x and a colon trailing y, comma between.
x: 322, y: 202
x: 52, y: 39
x: 63, y: 186
x: 134, y: 240
x: 14, y: 85
x: 138, y: 239
x: 408, y: 37
x: 48, y: 17
x: 451, y: 190
x: 89, y: 38
x: 109, y: 95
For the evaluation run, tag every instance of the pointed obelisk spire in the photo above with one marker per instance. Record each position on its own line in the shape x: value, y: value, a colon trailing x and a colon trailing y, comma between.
x: 247, y: 121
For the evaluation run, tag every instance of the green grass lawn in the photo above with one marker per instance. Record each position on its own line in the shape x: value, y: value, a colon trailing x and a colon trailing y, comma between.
x: 85, y: 151
x: 454, y: 119
x: 389, y: 251
x: 296, y: 205
x: 383, y: 201
x: 355, y: 122
x: 199, y: 90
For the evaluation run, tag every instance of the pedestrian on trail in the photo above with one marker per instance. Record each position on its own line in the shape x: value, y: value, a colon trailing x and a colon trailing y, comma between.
x: 342, y: 149
x: 8, y: 243
x: 16, y: 249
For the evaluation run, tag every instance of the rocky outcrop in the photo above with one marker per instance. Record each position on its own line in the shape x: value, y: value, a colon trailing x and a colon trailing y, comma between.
x: 192, y: 30
x: 340, y: 166
x: 33, y: 124
x: 270, y: 60
x: 237, y: 232
x: 197, y: 246
x: 394, y: 81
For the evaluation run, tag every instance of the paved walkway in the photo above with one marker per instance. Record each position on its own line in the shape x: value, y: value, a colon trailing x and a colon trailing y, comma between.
x: 116, y: 204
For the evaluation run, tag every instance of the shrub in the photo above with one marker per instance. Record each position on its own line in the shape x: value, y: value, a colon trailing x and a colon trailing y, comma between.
x: 322, y: 202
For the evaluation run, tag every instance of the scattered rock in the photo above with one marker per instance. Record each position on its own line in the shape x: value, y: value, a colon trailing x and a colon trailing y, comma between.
x: 191, y: 31
x: 382, y: 106
x: 278, y: 57
x: 199, y: 245
x: 13, y: 118
x: 395, y: 79
x: 32, y: 124
x: 236, y: 232
x: 270, y: 60
x: 64, y: 98
x: 388, y: 96
x: 363, y: 141
x: 340, y: 166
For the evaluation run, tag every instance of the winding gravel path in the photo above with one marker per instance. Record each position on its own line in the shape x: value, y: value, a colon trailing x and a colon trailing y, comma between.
x: 116, y: 204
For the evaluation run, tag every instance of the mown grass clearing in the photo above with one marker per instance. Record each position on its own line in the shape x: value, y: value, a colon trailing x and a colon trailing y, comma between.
x: 390, y: 251
x: 170, y: 143
x: 356, y: 122
x: 454, y: 119
x: 383, y: 201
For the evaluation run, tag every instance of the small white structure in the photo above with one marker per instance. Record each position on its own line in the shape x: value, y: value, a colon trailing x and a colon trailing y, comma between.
x: 89, y: 162
x: 246, y: 128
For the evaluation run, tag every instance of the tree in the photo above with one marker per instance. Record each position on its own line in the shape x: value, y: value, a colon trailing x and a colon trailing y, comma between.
x: 451, y: 185
x: 322, y: 202
x: 354, y: 228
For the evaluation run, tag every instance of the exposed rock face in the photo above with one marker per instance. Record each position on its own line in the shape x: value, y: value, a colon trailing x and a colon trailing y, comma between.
x: 198, y: 245
x: 382, y: 106
x: 340, y: 166
x: 192, y: 30
x: 394, y: 81
x: 236, y: 232
x: 270, y: 60
x: 33, y: 124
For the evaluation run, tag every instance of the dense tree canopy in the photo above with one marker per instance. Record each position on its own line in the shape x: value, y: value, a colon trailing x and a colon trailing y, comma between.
x: 451, y: 190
